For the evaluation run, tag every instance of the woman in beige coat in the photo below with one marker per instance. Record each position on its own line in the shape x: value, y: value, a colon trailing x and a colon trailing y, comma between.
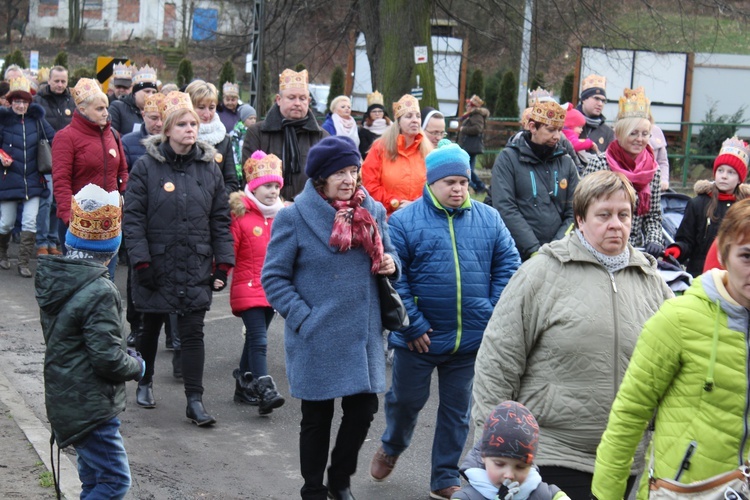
x: 561, y: 335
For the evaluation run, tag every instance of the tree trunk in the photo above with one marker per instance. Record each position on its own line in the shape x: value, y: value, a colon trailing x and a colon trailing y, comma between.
x: 74, y: 21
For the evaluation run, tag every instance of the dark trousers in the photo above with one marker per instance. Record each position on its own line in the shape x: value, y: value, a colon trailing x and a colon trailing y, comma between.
x: 257, y: 320
x: 190, y: 326
x: 315, y: 437
x: 575, y: 484
x: 135, y: 318
x: 476, y: 183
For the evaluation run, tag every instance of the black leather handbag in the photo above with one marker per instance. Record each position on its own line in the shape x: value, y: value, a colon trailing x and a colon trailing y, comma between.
x: 43, y: 151
x: 392, y: 311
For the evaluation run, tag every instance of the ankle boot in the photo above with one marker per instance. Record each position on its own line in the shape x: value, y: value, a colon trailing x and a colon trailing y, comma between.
x: 28, y: 242
x: 144, y: 395
x: 177, y: 363
x: 269, y: 396
x: 244, y: 388
x: 196, y: 412
x: 4, y: 242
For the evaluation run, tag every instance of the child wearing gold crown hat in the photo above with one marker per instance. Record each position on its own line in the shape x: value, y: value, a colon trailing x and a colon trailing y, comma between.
x: 253, y: 211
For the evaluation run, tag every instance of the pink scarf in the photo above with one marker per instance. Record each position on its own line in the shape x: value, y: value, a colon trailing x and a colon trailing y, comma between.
x: 354, y: 226
x: 639, y: 171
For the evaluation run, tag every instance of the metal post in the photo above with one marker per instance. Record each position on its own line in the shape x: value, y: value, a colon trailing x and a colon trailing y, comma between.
x: 686, y: 160
x: 256, y: 50
x: 523, y: 72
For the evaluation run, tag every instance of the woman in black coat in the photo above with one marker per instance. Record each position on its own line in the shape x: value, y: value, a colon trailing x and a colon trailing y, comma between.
x: 176, y: 225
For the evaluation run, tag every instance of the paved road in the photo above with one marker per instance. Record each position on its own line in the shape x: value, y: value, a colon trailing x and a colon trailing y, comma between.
x: 244, y: 455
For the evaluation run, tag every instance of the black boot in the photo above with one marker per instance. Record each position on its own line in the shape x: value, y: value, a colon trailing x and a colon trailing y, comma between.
x: 269, y: 396
x: 144, y: 395
x: 177, y: 363
x: 244, y: 388
x: 196, y: 412
x: 343, y: 494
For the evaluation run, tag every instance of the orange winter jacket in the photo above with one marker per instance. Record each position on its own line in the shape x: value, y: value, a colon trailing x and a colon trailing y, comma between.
x: 388, y: 181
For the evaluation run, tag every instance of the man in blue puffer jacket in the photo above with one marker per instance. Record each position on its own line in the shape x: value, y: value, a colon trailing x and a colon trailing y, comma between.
x: 457, y: 256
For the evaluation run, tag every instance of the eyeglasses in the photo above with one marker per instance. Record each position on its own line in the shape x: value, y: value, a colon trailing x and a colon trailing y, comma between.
x: 436, y: 133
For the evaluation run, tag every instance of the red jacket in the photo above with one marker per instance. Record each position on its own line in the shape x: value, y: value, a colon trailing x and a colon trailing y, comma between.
x: 84, y: 153
x: 251, y: 232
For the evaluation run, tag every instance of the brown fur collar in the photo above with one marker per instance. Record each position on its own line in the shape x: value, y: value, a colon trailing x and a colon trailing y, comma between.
x: 237, y: 203
x: 706, y: 186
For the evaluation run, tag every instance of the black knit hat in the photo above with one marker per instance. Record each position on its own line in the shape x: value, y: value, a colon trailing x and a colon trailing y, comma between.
x: 331, y: 155
x: 511, y: 431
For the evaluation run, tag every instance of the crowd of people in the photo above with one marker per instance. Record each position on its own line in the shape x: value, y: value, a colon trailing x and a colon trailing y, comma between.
x: 543, y: 312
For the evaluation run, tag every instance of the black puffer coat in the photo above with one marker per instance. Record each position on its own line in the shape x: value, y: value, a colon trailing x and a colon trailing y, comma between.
x: 125, y: 115
x: 176, y: 218
x: 58, y: 108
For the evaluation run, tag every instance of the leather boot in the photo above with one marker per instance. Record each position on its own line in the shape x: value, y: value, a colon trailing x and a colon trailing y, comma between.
x: 244, y: 389
x: 28, y: 242
x: 195, y: 411
x: 269, y: 396
x: 177, y: 363
x: 4, y: 242
x: 144, y: 395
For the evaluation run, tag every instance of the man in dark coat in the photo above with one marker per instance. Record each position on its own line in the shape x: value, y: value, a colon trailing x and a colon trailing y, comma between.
x: 126, y: 113
x: 593, y: 99
x: 289, y: 131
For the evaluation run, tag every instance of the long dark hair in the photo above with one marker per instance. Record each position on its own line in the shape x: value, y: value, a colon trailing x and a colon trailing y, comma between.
x: 714, y: 201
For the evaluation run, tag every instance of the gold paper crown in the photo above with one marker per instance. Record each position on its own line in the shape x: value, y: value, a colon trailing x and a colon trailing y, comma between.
x: 291, y: 80
x: 100, y: 224
x: 549, y: 113
x: 152, y: 103
x: 146, y: 74
x: 122, y: 71
x: 174, y: 101
x: 633, y: 104
x: 594, y: 81
x: 269, y: 165
x: 539, y: 95
x: 525, y: 117
x: 736, y: 147
x: 42, y: 76
x: 407, y: 104
x: 230, y: 88
x: 85, y: 88
x: 476, y: 101
x: 375, y: 98
x: 20, y: 84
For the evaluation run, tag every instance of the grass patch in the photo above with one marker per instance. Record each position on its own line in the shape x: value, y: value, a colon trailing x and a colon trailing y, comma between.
x: 46, y: 480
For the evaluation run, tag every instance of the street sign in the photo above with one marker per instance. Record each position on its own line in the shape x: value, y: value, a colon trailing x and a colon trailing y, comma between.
x: 417, y: 92
x: 34, y: 60
x: 420, y: 54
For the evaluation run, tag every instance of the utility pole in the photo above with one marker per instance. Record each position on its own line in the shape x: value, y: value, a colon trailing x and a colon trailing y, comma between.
x: 523, y: 72
x: 256, y: 55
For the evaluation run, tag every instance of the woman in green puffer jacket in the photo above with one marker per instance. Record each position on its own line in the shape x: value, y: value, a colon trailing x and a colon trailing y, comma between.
x: 690, y: 365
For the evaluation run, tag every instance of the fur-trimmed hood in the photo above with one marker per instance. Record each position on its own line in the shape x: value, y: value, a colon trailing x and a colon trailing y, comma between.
x: 35, y: 112
x: 206, y: 152
x: 238, y: 203
x: 482, y: 111
x: 705, y: 186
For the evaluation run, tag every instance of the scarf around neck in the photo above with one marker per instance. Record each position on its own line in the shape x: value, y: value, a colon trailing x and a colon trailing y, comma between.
x: 639, y: 171
x: 346, y: 128
x: 378, y: 126
x: 354, y: 226
x: 267, y: 211
x: 212, y: 133
x: 612, y: 263
x: 290, y: 153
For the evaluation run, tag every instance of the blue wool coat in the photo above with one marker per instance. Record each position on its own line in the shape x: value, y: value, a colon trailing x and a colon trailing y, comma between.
x: 456, y: 264
x: 333, y: 333
x: 19, y: 138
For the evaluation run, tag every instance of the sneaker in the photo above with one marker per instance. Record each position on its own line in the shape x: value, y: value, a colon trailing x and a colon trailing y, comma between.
x: 444, y: 493
x: 382, y: 465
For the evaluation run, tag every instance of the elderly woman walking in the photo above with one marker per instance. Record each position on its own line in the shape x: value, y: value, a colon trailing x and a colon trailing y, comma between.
x: 321, y: 271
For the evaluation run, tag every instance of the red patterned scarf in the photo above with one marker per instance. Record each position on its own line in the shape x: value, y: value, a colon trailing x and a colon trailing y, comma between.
x: 639, y: 171
x: 354, y: 226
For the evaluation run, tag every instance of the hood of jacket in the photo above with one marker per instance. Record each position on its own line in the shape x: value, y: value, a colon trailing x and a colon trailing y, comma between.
x: 480, y: 111
x: 706, y: 186
x: 570, y: 249
x: 203, y: 151
x: 59, y: 278
x: 526, y: 154
x: 7, y: 115
x: 435, y: 205
x: 240, y: 203
x: 272, y: 123
x: 711, y: 287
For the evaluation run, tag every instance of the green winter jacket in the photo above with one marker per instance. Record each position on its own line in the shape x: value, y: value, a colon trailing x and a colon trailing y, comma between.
x: 690, y: 365
x: 85, y: 362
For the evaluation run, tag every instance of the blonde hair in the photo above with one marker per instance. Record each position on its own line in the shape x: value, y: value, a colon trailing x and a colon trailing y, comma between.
x: 600, y: 185
x: 201, y: 91
x: 169, y: 87
x: 89, y: 99
x: 337, y: 100
x: 169, y: 121
x: 624, y: 126
x: 390, y: 141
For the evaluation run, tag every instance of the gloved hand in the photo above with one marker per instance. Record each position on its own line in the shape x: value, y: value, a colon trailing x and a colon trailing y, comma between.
x: 146, y: 277
x: 513, y: 488
x: 654, y: 249
x: 135, y: 354
x: 221, y: 275
x: 672, y: 251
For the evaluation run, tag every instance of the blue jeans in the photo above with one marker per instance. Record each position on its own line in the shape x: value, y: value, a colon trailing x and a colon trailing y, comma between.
x: 410, y: 390
x: 253, y: 358
x: 103, y: 463
x: 9, y: 209
x: 46, y: 220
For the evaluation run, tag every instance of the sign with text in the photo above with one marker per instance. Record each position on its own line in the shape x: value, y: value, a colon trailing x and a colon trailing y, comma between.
x: 420, y: 54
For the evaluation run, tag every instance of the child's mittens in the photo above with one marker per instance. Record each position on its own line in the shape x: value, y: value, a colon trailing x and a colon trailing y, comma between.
x: 513, y: 488
x: 137, y: 356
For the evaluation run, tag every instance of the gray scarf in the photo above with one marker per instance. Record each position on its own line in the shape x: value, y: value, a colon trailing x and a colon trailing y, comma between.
x: 612, y: 263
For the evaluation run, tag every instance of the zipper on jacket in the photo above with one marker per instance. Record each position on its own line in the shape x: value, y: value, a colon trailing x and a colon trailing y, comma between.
x: 533, y: 185
x: 685, y: 464
x: 556, y: 182
x: 25, y: 163
x: 104, y: 172
x: 459, y: 323
x: 743, y: 443
x: 616, y: 356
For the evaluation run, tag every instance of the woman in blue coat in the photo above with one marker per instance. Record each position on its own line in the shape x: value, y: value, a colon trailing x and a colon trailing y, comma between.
x: 20, y: 180
x: 321, y: 269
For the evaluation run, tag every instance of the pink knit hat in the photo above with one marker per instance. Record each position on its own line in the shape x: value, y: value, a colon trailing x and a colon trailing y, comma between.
x: 574, y: 118
x: 261, y: 169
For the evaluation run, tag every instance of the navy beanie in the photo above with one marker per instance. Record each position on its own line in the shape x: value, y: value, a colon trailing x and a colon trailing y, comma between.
x: 592, y: 91
x: 331, y: 155
x: 448, y: 159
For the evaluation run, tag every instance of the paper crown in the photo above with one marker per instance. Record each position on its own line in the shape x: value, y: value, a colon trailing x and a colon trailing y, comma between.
x: 95, y: 218
x: 549, y: 113
x: 174, y: 101
x: 375, y: 98
x: 19, y: 87
x: 42, y: 76
x: 146, y: 74
x: 122, y: 74
x: 407, y: 104
x: 634, y: 104
x: 291, y: 80
x: 152, y: 103
x: 594, y: 82
x: 230, y: 88
x: 261, y: 168
x: 476, y: 101
x: 85, y: 88
x: 539, y: 95
x: 736, y: 147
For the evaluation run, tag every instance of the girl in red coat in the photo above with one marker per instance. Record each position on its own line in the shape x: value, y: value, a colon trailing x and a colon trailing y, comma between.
x: 253, y: 211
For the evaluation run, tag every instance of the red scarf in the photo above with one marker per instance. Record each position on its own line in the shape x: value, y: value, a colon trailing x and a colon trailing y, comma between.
x: 354, y: 226
x: 727, y: 197
x: 639, y: 171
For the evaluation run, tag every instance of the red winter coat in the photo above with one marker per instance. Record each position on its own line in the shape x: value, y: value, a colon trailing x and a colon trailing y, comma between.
x: 84, y: 153
x: 251, y: 232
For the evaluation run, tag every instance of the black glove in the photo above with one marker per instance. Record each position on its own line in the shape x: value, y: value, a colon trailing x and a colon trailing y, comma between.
x: 137, y: 356
x: 221, y: 275
x: 146, y: 277
x: 654, y: 249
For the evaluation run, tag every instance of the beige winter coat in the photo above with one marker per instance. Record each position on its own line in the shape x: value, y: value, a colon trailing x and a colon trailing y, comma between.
x: 559, y: 342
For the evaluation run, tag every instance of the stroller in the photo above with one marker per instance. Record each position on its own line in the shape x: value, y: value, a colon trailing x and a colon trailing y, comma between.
x: 672, y: 211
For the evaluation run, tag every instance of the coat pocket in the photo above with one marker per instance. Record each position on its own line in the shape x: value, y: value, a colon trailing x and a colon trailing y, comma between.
x: 200, y: 263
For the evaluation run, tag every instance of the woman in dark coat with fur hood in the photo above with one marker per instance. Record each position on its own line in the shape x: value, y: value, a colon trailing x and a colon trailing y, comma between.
x: 176, y: 224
